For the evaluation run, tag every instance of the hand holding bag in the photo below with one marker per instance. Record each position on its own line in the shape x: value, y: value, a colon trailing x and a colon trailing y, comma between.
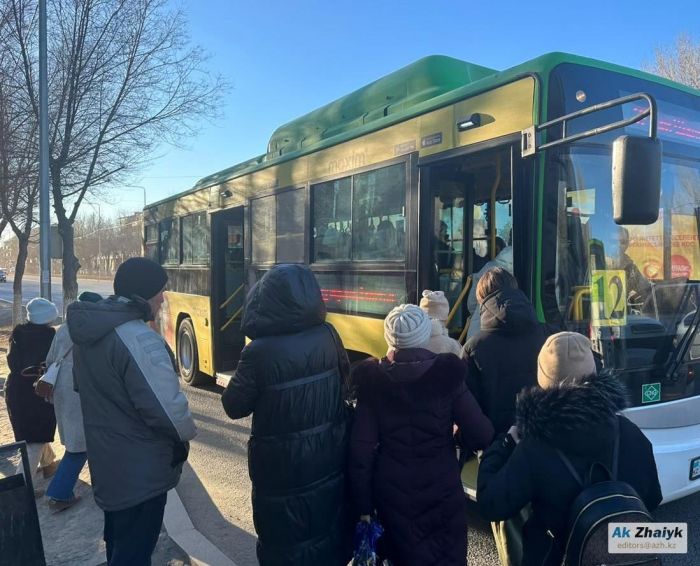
x: 367, y: 533
x: 45, y: 385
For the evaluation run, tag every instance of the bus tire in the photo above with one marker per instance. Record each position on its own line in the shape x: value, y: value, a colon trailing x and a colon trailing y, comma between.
x: 187, y: 355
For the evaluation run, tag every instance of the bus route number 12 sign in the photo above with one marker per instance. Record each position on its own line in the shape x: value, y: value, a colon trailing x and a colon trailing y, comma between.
x: 609, y: 297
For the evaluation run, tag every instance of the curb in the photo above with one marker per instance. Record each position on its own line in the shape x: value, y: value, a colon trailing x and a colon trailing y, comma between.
x: 201, y: 550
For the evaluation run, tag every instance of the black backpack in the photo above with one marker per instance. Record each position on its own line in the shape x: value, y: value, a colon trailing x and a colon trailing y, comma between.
x: 600, y: 503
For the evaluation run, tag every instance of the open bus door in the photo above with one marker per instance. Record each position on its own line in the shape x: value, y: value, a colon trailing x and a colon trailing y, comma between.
x: 467, y: 202
x: 228, y: 290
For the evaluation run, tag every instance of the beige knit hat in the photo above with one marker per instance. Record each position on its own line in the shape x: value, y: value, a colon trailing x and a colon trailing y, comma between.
x: 435, y: 305
x: 407, y: 326
x: 566, y: 355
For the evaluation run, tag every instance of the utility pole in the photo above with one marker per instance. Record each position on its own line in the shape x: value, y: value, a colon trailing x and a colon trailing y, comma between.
x: 99, y: 240
x: 44, y: 205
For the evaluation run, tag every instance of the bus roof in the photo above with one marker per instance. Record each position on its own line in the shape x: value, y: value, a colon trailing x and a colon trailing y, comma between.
x: 427, y: 84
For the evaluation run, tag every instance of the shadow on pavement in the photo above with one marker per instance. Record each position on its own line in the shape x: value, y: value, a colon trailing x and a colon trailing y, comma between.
x: 236, y: 543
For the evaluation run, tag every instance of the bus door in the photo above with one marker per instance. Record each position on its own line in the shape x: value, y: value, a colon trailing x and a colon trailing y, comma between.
x: 228, y: 287
x: 467, y: 211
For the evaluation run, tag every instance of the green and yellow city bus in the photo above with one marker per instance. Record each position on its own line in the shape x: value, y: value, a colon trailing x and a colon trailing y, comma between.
x: 414, y: 181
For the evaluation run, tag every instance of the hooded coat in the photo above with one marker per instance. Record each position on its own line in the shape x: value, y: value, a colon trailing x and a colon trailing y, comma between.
x: 137, y: 420
x: 504, y: 260
x: 403, y: 461
x: 502, y: 357
x: 291, y: 378
x: 440, y: 340
x: 579, y: 420
x: 32, y: 418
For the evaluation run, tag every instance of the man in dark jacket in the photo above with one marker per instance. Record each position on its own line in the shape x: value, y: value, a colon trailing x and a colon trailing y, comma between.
x: 502, y: 357
x: 574, y: 410
x: 137, y: 421
x: 291, y: 376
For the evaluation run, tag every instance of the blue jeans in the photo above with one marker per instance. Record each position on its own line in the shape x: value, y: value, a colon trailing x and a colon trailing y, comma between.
x: 62, y: 484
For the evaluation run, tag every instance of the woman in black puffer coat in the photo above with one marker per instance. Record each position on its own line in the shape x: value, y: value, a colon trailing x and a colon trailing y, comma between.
x: 502, y: 357
x: 292, y: 377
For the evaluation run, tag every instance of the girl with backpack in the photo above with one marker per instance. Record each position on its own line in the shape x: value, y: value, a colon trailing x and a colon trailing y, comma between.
x: 574, y: 413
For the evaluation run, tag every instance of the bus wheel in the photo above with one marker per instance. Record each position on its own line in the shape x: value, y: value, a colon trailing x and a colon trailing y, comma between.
x: 187, y: 359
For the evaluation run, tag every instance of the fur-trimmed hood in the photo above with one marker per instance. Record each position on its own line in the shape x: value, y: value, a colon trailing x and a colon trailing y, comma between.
x: 574, y: 416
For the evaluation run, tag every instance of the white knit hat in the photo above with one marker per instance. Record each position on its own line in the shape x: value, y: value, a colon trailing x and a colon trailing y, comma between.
x: 407, y: 326
x: 435, y: 305
x: 41, y: 311
x: 564, y: 356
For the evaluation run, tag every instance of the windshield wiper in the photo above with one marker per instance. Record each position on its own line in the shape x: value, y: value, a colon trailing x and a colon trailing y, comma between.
x: 676, y: 359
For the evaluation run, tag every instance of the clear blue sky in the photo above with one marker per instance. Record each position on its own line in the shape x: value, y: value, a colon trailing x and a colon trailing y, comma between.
x: 286, y: 58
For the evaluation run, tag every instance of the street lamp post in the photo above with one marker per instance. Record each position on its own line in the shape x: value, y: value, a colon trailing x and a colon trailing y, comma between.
x: 99, y: 240
x: 44, y: 205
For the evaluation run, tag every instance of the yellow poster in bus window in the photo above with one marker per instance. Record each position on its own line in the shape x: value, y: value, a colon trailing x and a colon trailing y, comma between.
x: 685, y: 252
x: 646, y: 248
x: 608, y: 297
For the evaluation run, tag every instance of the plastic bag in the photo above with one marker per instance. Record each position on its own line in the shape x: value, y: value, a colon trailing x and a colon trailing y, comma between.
x: 366, y: 537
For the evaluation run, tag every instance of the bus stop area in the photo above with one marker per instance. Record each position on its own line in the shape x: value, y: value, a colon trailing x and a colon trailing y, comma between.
x: 73, y: 536
x: 213, y: 517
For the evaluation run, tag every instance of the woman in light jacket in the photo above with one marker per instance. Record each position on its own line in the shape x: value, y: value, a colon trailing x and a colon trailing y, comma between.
x: 69, y: 418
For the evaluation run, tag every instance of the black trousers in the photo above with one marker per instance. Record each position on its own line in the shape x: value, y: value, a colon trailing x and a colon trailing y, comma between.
x: 131, y: 534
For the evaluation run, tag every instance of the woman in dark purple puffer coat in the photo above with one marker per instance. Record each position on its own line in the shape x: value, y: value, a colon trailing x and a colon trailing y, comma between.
x: 403, y: 462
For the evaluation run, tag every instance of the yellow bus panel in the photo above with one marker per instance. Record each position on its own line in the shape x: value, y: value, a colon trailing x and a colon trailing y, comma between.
x: 360, y: 333
x: 197, y: 307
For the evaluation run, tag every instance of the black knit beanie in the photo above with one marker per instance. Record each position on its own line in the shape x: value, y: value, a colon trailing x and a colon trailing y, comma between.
x: 89, y: 297
x: 139, y: 276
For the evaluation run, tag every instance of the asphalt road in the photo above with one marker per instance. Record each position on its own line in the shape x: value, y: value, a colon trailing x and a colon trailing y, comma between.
x: 31, y: 289
x: 215, y: 489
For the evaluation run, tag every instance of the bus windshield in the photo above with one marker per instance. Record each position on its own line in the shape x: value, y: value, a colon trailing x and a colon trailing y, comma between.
x: 633, y: 289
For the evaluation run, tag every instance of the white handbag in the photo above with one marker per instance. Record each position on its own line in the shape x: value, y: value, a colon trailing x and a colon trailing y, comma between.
x: 51, y: 374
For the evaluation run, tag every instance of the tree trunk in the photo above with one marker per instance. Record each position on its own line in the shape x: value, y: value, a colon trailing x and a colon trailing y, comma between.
x: 70, y: 262
x: 17, y: 310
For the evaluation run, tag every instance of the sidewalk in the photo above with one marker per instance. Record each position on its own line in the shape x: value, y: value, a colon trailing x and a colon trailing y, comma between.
x: 74, y: 537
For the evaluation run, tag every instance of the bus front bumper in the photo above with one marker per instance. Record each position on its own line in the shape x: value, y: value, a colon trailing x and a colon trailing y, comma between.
x: 677, y: 453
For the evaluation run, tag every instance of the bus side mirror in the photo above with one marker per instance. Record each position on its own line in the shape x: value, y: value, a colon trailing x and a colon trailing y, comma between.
x: 636, y: 180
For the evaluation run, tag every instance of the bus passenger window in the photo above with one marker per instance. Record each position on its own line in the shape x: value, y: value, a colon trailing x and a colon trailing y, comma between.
x: 263, y: 213
x: 195, y: 239
x: 151, y: 242
x: 331, y: 220
x: 291, y: 207
x: 379, y: 199
x: 170, y: 241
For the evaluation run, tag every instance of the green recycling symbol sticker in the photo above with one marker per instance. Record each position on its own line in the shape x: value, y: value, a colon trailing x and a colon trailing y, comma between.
x: 651, y: 392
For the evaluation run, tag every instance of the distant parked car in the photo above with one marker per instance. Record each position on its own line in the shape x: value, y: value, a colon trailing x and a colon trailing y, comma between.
x: 3, y: 275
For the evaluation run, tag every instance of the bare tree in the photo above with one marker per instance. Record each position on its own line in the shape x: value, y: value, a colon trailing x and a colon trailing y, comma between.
x: 123, y: 78
x: 18, y: 163
x: 19, y: 186
x: 680, y: 63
